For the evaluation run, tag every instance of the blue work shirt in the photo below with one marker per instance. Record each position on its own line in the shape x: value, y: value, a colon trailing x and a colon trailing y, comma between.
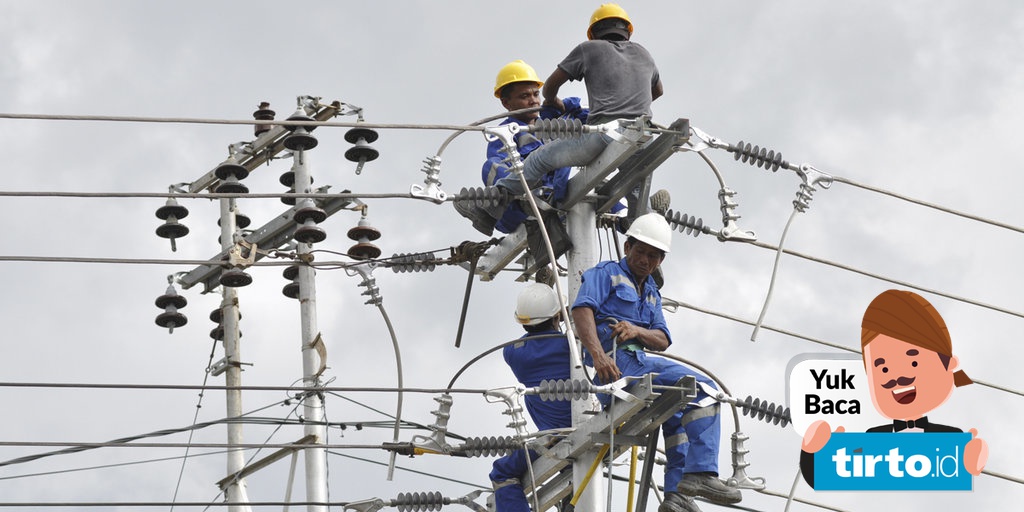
x: 496, y: 166
x: 534, y: 360
x: 611, y: 292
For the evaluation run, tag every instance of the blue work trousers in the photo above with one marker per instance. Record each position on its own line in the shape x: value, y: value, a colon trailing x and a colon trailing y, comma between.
x: 555, y: 155
x: 506, y: 475
x: 692, y: 435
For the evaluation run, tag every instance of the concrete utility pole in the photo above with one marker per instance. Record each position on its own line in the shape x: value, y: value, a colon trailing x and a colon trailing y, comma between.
x: 236, y: 489
x: 298, y: 223
x: 580, y: 224
x: 313, y: 410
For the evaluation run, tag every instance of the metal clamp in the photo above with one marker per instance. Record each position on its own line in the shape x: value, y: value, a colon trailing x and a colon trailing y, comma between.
x: 432, y: 191
x: 730, y: 231
x: 699, y: 141
x: 235, y: 258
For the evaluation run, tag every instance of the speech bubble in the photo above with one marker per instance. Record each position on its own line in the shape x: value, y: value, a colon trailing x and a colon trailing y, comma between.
x: 830, y: 387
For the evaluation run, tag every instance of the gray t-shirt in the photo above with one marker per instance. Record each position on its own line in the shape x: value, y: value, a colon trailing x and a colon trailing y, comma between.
x: 619, y: 76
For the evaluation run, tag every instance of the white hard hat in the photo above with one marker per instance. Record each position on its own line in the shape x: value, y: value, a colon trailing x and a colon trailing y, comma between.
x: 652, y: 229
x: 536, y: 304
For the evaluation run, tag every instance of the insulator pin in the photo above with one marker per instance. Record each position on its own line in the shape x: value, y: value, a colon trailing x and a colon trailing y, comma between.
x: 765, y: 411
x: 419, y: 501
x: 686, y: 224
x: 413, y: 262
x: 568, y: 389
x: 756, y: 155
x: 171, y: 302
x: 559, y: 128
x: 489, y: 446
x: 484, y: 196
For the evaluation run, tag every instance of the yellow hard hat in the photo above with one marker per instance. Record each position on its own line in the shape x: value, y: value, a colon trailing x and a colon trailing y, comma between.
x: 515, y: 71
x: 606, y: 11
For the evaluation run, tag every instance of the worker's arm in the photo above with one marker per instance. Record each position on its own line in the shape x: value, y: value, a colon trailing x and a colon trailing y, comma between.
x: 651, y: 339
x: 656, y: 90
x: 586, y: 329
x: 551, y: 87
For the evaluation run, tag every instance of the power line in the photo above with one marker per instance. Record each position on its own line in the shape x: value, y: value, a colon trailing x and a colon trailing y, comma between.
x: 888, y: 279
x: 247, y: 122
x: 940, y: 208
x: 672, y: 302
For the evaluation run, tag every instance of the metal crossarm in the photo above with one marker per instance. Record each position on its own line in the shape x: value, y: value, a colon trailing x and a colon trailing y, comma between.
x: 640, y: 167
x: 625, y: 144
x: 271, y: 235
x: 503, y: 254
x: 635, y: 420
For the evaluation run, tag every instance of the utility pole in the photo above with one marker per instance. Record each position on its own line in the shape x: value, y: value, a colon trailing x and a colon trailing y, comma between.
x: 580, y: 224
x: 236, y: 490
x: 240, y: 250
x: 311, y: 342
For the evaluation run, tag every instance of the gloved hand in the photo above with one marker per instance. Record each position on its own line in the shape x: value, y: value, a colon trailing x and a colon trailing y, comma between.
x: 573, y: 109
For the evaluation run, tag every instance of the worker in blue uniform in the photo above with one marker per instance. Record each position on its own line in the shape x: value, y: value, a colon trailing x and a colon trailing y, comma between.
x: 518, y: 87
x: 617, y: 315
x: 542, y: 354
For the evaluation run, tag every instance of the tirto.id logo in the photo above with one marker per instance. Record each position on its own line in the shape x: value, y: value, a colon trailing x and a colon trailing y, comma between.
x: 890, y: 462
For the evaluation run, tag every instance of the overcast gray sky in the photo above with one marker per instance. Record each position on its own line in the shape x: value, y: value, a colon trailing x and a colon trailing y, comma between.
x: 921, y: 98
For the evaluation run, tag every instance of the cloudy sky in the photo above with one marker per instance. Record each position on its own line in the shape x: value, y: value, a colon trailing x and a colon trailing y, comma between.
x: 916, y: 98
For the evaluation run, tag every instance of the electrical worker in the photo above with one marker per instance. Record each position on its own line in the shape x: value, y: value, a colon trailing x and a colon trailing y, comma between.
x: 621, y: 79
x: 617, y: 315
x: 518, y: 87
x: 543, y: 353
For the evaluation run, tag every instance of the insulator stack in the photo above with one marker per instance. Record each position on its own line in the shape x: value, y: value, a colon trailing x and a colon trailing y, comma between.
x: 171, y: 213
x: 568, y: 389
x: 242, y: 221
x: 765, y: 411
x: 291, y: 290
x: 362, y: 151
x: 307, y: 217
x: 413, y: 262
x: 230, y: 173
x: 363, y: 234
x: 483, y: 196
x: 217, y: 317
x: 686, y: 224
x: 419, y: 501
x: 489, y: 446
x: 235, y: 278
x: 558, y: 128
x: 300, y: 138
x: 756, y: 155
x: 263, y: 114
x: 171, y: 302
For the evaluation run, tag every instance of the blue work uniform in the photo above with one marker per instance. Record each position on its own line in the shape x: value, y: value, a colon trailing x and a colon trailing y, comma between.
x: 532, y: 361
x: 692, y: 435
x: 554, y: 184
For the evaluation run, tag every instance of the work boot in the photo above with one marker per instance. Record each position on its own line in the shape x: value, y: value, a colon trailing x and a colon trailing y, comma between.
x: 482, y: 220
x: 675, y: 502
x: 660, y: 201
x: 708, y: 485
x: 546, y: 276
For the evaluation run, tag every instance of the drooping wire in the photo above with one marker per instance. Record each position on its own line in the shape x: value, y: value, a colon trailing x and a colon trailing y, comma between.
x: 195, y: 418
x: 775, y: 271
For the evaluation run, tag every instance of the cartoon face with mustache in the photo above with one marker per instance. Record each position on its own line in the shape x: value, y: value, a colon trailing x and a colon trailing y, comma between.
x: 907, y: 381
